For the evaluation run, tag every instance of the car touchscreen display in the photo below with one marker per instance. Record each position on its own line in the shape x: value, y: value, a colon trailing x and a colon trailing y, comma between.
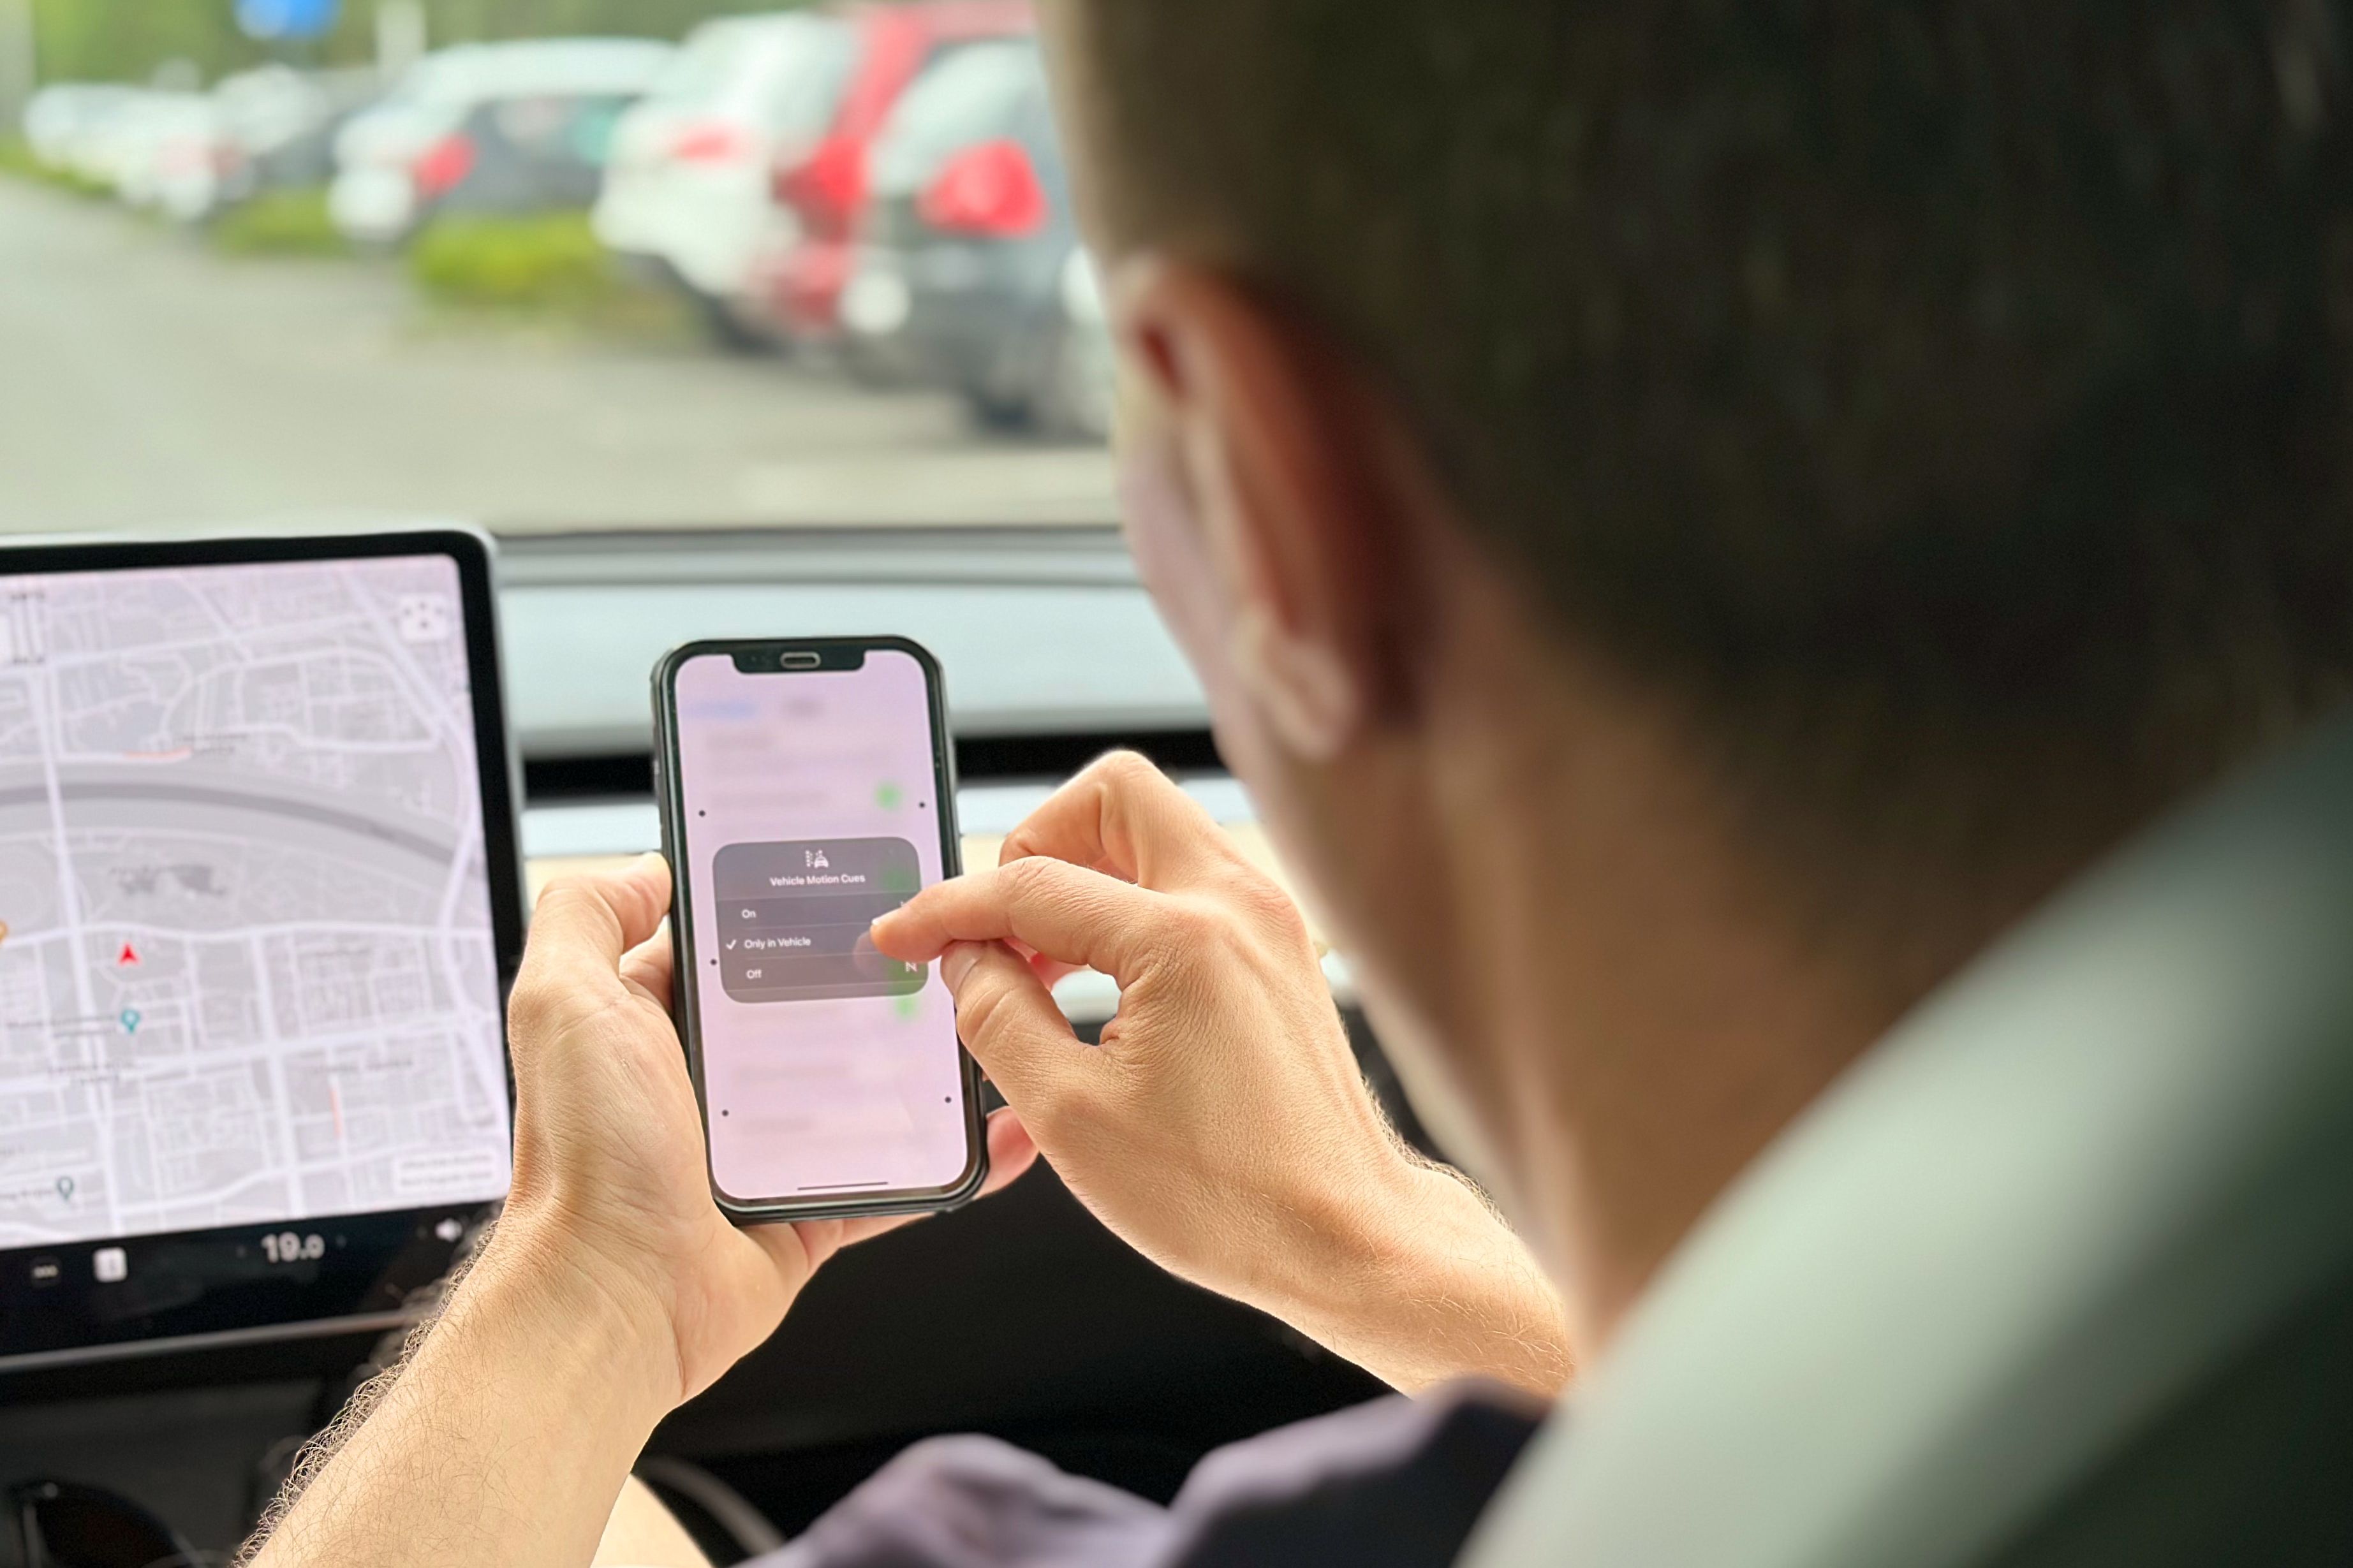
x: 809, y: 806
x: 249, y: 978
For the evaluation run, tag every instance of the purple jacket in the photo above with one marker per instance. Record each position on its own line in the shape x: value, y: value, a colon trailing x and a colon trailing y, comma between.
x: 1394, y: 1484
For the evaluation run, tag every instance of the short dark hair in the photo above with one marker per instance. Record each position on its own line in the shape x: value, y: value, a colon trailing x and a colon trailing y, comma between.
x: 1947, y: 400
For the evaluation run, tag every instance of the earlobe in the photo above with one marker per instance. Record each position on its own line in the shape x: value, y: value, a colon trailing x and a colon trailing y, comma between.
x: 1310, y: 696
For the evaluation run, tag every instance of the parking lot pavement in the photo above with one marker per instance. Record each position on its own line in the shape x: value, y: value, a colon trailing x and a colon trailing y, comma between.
x: 146, y: 382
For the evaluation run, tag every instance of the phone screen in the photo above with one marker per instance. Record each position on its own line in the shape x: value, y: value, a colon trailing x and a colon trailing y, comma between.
x: 807, y: 804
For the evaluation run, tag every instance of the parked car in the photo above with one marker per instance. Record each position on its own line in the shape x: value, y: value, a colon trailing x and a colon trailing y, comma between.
x: 90, y: 150
x: 521, y: 153
x: 370, y: 199
x: 164, y: 151
x: 820, y: 192
x: 281, y: 124
x: 687, y: 191
x: 969, y: 270
x: 62, y: 121
x: 375, y: 199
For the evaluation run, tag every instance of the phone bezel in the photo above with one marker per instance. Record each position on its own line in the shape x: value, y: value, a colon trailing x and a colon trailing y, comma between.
x: 685, y: 1005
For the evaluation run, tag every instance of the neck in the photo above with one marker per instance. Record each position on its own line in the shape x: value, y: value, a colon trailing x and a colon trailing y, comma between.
x: 1600, y: 991
x: 1647, y: 1020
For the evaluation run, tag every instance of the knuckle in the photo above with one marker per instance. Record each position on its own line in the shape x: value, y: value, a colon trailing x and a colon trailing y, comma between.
x: 568, y: 891
x: 1034, y: 879
x: 563, y: 904
x: 1268, y: 905
x: 530, y: 1009
x: 1022, y: 875
x: 980, y: 1008
x: 1194, y: 926
x: 1124, y: 770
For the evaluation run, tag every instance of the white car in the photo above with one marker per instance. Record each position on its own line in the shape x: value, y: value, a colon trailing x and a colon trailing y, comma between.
x: 374, y: 198
x: 192, y: 162
x: 687, y: 186
x: 163, y: 152
x: 62, y: 120
x: 99, y: 144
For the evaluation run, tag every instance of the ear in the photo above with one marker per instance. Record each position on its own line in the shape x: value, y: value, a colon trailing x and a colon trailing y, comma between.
x: 1289, y: 457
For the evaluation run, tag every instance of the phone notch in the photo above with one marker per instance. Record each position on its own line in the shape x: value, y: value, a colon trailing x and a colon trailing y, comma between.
x: 839, y: 656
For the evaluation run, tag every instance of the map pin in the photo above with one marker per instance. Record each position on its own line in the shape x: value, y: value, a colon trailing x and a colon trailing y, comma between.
x: 131, y: 1020
x: 65, y: 1188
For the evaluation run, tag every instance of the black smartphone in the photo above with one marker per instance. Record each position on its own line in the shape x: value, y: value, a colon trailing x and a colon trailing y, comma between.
x: 806, y: 786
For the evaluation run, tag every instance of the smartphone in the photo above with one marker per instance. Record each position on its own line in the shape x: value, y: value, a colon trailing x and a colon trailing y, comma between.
x: 806, y: 786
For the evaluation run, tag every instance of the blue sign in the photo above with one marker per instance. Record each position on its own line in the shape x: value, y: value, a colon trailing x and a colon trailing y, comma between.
x: 286, y: 18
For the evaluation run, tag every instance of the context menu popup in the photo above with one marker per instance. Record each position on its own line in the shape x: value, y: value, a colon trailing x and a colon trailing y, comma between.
x: 795, y: 916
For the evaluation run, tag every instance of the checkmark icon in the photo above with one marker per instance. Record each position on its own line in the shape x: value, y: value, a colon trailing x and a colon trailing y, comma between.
x: 731, y: 944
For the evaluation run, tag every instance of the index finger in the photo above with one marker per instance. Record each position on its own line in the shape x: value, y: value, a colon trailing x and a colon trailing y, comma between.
x: 1123, y: 815
x: 1069, y: 913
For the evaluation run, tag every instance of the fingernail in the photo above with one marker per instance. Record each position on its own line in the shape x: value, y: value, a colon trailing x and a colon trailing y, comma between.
x: 956, y: 962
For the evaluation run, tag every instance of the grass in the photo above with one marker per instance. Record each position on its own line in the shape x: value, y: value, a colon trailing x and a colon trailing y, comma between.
x: 550, y: 263
x: 279, y: 223
x: 546, y: 270
x: 17, y: 161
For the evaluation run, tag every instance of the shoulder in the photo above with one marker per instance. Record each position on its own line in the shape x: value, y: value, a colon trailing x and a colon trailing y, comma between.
x: 1397, y: 1483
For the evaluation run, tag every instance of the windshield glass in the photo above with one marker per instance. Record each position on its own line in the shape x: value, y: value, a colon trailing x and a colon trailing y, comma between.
x: 604, y: 266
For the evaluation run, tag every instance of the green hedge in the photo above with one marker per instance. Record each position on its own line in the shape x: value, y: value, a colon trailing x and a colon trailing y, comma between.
x: 279, y: 223
x: 547, y: 263
x: 17, y: 160
x: 548, y: 269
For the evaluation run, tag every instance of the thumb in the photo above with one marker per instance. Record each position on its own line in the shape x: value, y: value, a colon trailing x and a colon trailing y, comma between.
x: 1007, y: 1020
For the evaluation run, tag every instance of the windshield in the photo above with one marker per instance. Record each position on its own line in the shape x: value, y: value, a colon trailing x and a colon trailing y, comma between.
x: 590, y: 269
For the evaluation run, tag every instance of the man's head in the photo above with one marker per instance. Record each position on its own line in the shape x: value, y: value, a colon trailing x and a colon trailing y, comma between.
x: 1934, y: 416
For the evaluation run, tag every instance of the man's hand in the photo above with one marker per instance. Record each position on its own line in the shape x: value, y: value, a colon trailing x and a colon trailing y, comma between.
x: 1223, y: 1128
x: 612, y: 1288
x: 610, y: 1183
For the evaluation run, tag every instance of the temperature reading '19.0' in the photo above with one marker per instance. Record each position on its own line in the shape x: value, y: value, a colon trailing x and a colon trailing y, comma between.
x: 285, y: 1246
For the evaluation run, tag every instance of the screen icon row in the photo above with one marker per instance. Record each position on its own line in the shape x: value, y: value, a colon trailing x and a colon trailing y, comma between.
x: 108, y: 1265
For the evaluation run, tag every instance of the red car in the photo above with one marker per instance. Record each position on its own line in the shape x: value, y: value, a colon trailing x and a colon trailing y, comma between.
x: 822, y: 191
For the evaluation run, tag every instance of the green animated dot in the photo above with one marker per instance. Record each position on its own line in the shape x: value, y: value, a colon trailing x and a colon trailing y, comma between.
x: 889, y: 797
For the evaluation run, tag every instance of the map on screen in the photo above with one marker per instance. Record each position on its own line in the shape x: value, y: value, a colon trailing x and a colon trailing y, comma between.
x: 249, y: 973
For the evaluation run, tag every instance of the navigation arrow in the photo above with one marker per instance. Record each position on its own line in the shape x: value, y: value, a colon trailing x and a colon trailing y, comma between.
x: 128, y: 954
